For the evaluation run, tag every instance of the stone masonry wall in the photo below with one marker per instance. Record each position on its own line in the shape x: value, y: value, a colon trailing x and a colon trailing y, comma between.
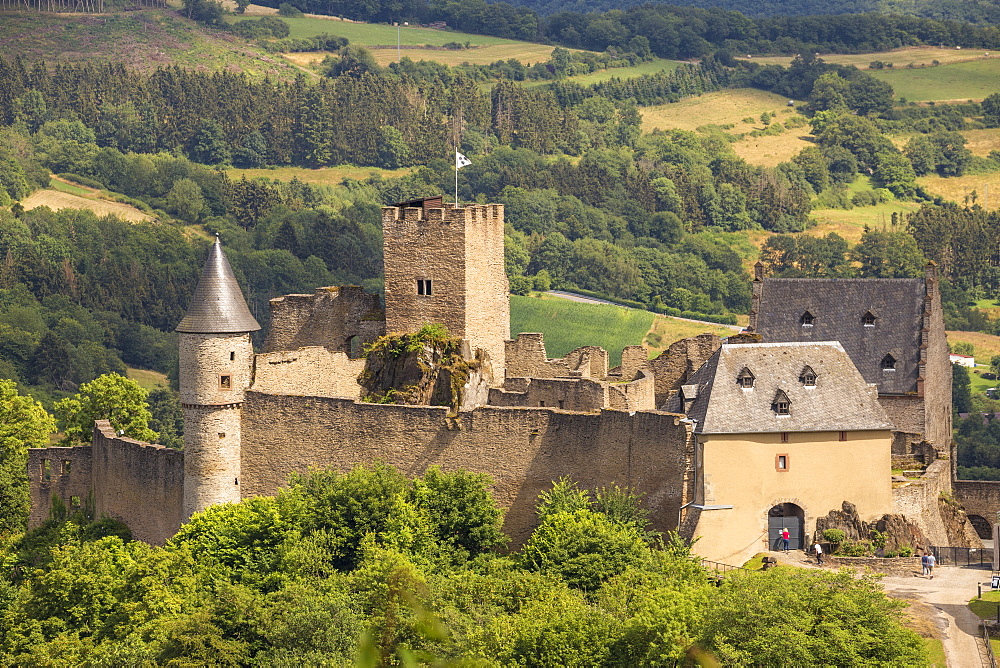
x: 635, y: 395
x: 523, y: 449
x: 487, y: 306
x: 571, y: 394
x: 937, y: 369
x: 926, y: 502
x: 67, y: 475
x: 979, y: 497
x: 906, y: 412
x: 675, y: 365
x: 313, y: 371
x: 138, y: 483
x: 526, y: 358
x: 330, y: 318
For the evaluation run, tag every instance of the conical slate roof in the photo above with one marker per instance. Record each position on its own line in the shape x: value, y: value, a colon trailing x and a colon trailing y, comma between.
x: 217, y: 306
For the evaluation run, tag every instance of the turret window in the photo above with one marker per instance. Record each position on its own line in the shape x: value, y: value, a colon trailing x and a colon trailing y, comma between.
x: 225, y: 382
x: 745, y: 379
x: 807, y: 319
x: 780, y: 405
x: 424, y: 287
x: 888, y: 363
x: 808, y: 377
x: 868, y: 319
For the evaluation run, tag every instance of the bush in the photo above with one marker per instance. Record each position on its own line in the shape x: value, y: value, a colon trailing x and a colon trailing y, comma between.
x: 289, y: 10
x: 856, y: 548
x: 835, y: 536
x: 81, y: 180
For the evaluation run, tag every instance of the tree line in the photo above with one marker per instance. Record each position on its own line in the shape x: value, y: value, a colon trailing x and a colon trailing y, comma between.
x: 374, y: 568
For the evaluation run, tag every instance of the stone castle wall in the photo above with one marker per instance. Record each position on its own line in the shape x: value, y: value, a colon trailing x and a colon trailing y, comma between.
x: 927, y: 503
x: 526, y: 358
x: 979, y: 497
x: 937, y: 367
x: 523, y: 449
x: 140, y: 484
x: 675, y: 365
x: 906, y: 412
x: 313, y: 371
x: 343, y: 319
x: 64, y: 473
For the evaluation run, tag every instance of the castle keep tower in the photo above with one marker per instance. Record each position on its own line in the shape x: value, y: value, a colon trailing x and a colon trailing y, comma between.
x: 446, y: 265
x: 216, y: 360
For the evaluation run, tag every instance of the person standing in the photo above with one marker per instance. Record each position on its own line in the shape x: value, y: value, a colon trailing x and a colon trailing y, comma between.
x: 784, y: 538
x: 931, y: 561
x: 923, y: 564
x: 818, y: 549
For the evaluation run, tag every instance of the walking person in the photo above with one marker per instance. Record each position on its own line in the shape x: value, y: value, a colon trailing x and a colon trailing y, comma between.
x: 784, y: 539
x: 818, y: 549
x: 931, y: 561
x: 923, y: 564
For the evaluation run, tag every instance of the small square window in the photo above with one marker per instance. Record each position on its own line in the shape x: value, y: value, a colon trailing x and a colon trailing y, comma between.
x: 46, y: 470
x: 222, y: 434
x: 541, y: 404
x: 781, y: 462
x: 425, y: 287
x: 67, y: 467
x: 225, y: 382
x: 784, y: 437
x: 781, y: 407
x: 562, y: 404
x: 843, y: 435
x: 232, y: 356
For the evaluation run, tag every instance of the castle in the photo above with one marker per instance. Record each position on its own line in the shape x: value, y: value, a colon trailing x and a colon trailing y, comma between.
x: 729, y: 442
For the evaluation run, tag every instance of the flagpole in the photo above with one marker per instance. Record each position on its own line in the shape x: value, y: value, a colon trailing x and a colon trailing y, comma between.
x: 456, y: 178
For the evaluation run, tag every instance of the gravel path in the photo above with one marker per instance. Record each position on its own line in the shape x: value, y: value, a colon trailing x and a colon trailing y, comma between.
x: 948, y: 594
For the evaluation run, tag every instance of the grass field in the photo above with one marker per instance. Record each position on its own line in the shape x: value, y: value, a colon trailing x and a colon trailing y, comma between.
x: 527, y: 53
x: 57, y: 199
x: 955, y: 188
x: 150, y: 380
x: 568, y: 325
x: 652, y: 67
x: 985, y: 345
x: 851, y: 224
x: 900, y: 58
x: 716, y: 108
x: 972, y: 80
x: 329, y: 176
x: 981, y: 142
x: 143, y: 40
x: 375, y: 34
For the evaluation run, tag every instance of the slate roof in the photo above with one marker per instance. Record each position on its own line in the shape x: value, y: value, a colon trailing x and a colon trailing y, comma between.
x: 841, y: 400
x: 837, y: 307
x: 217, y: 305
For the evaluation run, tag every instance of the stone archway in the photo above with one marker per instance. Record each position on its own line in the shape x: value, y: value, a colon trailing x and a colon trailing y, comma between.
x: 785, y: 516
x: 982, y: 526
x: 354, y: 347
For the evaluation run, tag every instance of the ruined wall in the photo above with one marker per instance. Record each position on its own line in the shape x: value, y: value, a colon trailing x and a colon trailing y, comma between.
x: 523, y: 449
x: 313, y: 371
x: 926, y: 502
x: 526, y: 358
x: 571, y: 394
x: 979, y: 497
x: 936, y: 366
x: 138, y: 483
x: 636, y: 395
x: 66, y: 476
x: 675, y: 365
x: 331, y: 318
x: 634, y: 358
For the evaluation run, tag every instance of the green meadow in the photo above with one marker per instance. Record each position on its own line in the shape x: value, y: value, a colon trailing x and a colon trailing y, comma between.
x: 972, y: 80
x: 567, y: 325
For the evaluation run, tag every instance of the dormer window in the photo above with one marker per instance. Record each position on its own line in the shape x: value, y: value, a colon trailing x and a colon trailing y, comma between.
x: 868, y: 320
x: 807, y: 319
x: 780, y: 405
x: 888, y: 363
x: 745, y: 379
x: 808, y: 377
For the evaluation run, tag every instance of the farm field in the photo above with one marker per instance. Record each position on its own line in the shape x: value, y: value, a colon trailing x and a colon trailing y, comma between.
x: 526, y: 52
x: 149, y: 380
x: 955, y: 188
x: 716, y: 108
x: 985, y: 345
x: 652, y: 67
x: 327, y: 176
x: 972, y: 80
x: 981, y: 142
x: 898, y: 57
x: 851, y: 224
x: 567, y: 325
x: 57, y: 199
x: 771, y: 150
x: 143, y: 40
x: 374, y: 34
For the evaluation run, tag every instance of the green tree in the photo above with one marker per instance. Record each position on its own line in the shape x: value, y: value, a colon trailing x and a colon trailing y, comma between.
x: 888, y: 255
x: 23, y: 424
x: 462, y: 512
x: 961, y: 389
x: 185, y: 200
x: 110, y: 397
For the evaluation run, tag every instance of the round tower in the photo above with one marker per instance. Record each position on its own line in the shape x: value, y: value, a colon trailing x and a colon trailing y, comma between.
x: 216, y: 366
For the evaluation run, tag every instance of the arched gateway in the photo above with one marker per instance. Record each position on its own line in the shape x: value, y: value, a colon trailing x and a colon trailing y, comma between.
x: 785, y: 516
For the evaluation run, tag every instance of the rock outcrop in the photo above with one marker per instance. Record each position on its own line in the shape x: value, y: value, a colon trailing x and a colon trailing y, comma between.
x: 898, y: 531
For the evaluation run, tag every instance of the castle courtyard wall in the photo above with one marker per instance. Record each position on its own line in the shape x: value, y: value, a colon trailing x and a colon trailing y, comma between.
x: 522, y: 449
x: 313, y: 371
x: 907, y: 414
x: 330, y: 317
x: 138, y: 483
x: 67, y: 475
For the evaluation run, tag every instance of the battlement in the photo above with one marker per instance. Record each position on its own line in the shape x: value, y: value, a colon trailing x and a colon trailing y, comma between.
x: 400, y: 218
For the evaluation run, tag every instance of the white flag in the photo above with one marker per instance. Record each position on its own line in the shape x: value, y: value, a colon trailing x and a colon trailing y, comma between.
x: 461, y: 160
